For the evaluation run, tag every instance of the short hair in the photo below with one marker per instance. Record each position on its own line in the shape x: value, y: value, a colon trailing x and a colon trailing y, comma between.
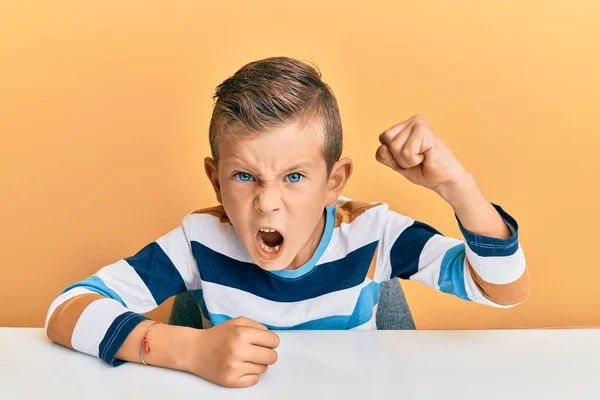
x: 272, y: 93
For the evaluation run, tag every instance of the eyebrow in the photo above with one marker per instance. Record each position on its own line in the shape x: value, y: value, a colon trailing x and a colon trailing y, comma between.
x: 299, y: 165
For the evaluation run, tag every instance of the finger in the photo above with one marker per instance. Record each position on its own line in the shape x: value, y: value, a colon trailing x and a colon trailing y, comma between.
x: 259, y: 337
x: 389, y: 134
x: 247, y: 381
x: 249, y: 368
x: 243, y: 321
x: 261, y: 355
x: 384, y: 156
x: 411, y: 153
x: 397, y: 145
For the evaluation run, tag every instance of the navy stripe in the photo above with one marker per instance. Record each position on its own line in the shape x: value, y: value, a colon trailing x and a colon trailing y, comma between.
x: 158, y: 272
x: 116, y: 334
x: 404, y: 255
x: 325, y: 278
x: 452, y: 277
x: 485, y: 246
x: 362, y: 313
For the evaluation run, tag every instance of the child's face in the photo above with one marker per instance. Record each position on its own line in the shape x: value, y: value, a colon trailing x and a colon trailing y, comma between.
x: 276, y: 181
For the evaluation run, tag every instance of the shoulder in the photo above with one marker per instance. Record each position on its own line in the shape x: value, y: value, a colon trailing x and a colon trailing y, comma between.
x: 210, y: 227
x: 355, y: 216
x: 347, y: 210
x: 217, y: 212
x: 206, y: 218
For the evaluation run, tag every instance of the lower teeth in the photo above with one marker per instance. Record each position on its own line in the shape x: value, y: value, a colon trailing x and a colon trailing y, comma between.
x: 269, y: 248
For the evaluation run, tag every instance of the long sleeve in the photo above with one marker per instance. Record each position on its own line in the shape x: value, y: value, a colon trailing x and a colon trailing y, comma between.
x: 96, y: 315
x: 482, y: 269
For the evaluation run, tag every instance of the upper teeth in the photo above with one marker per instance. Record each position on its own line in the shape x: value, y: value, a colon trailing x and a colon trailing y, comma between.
x: 267, y: 230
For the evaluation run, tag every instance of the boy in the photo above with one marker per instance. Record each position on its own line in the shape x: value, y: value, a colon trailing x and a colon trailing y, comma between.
x: 284, y: 250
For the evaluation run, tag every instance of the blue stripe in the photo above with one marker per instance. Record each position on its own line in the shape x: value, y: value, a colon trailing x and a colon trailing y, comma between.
x: 115, y: 336
x: 325, y: 278
x: 485, y: 246
x: 452, y: 279
x: 97, y: 285
x: 362, y: 313
x: 404, y: 255
x: 310, y: 264
x: 158, y: 272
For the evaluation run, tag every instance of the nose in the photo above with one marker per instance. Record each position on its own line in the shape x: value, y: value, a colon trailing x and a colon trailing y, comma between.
x: 268, y: 199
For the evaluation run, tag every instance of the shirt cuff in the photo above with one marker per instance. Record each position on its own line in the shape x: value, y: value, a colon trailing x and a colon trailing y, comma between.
x: 486, y: 246
x: 116, y: 335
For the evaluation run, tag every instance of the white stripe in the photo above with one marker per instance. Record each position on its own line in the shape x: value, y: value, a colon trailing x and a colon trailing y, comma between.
x: 93, y: 324
x: 430, y: 260
x: 177, y: 248
x: 394, y: 226
x: 217, y: 236
x: 473, y: 292
x: 498, y: 270
x: 76, y: 291
x: 346, y: 238
x: 234, y: 303
x: 125, y: 281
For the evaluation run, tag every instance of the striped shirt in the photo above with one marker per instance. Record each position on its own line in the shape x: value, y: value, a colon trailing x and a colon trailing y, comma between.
x: 363, y: 245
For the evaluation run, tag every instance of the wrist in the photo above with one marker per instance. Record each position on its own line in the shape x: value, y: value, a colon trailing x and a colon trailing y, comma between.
x: 458, y: 190
x: 187, y: 348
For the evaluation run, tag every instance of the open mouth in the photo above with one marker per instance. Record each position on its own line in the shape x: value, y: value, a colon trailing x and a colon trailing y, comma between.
x: 270, y: 242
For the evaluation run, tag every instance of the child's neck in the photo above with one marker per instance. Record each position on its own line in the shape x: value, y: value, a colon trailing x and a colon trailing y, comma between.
x: 311, y: 245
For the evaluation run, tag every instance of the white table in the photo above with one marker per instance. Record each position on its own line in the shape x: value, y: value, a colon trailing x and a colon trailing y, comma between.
x: 482, y: 365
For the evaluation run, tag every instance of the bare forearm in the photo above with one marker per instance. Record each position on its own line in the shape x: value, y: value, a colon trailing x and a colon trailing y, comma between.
x: 170, y: 345
x: 473, y: 210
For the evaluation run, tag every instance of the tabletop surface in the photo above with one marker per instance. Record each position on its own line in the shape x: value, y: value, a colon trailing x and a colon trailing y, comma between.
x: 499, y: 364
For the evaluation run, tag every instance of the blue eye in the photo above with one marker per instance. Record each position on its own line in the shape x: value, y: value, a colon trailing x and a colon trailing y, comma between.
x: 294, y: 177
x: 244, y: 177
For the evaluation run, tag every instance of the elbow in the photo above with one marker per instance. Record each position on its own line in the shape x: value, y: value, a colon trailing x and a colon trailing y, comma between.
x: 503, y: 295
x: 512, y: 294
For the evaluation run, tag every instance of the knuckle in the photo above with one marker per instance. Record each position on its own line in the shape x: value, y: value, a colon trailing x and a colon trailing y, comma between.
x: 230, y: 363
x: 237, y: 334
x: 421, y: 121
x: 243, y: 335
x: 387, y: 136
x: 234, y: 350
x: 235, y: 353
x: 421, y: 128
x: 396, y: 146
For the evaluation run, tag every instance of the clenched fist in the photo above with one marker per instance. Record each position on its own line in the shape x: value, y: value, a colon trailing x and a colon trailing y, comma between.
x: 234, y: 353
x: 413, y: 150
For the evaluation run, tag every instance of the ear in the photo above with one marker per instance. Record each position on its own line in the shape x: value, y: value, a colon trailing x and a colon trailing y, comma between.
x: 210, y: 167
x: 341, y: 172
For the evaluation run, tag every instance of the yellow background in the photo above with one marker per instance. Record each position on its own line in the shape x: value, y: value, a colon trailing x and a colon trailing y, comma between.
x: 104, y: 110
